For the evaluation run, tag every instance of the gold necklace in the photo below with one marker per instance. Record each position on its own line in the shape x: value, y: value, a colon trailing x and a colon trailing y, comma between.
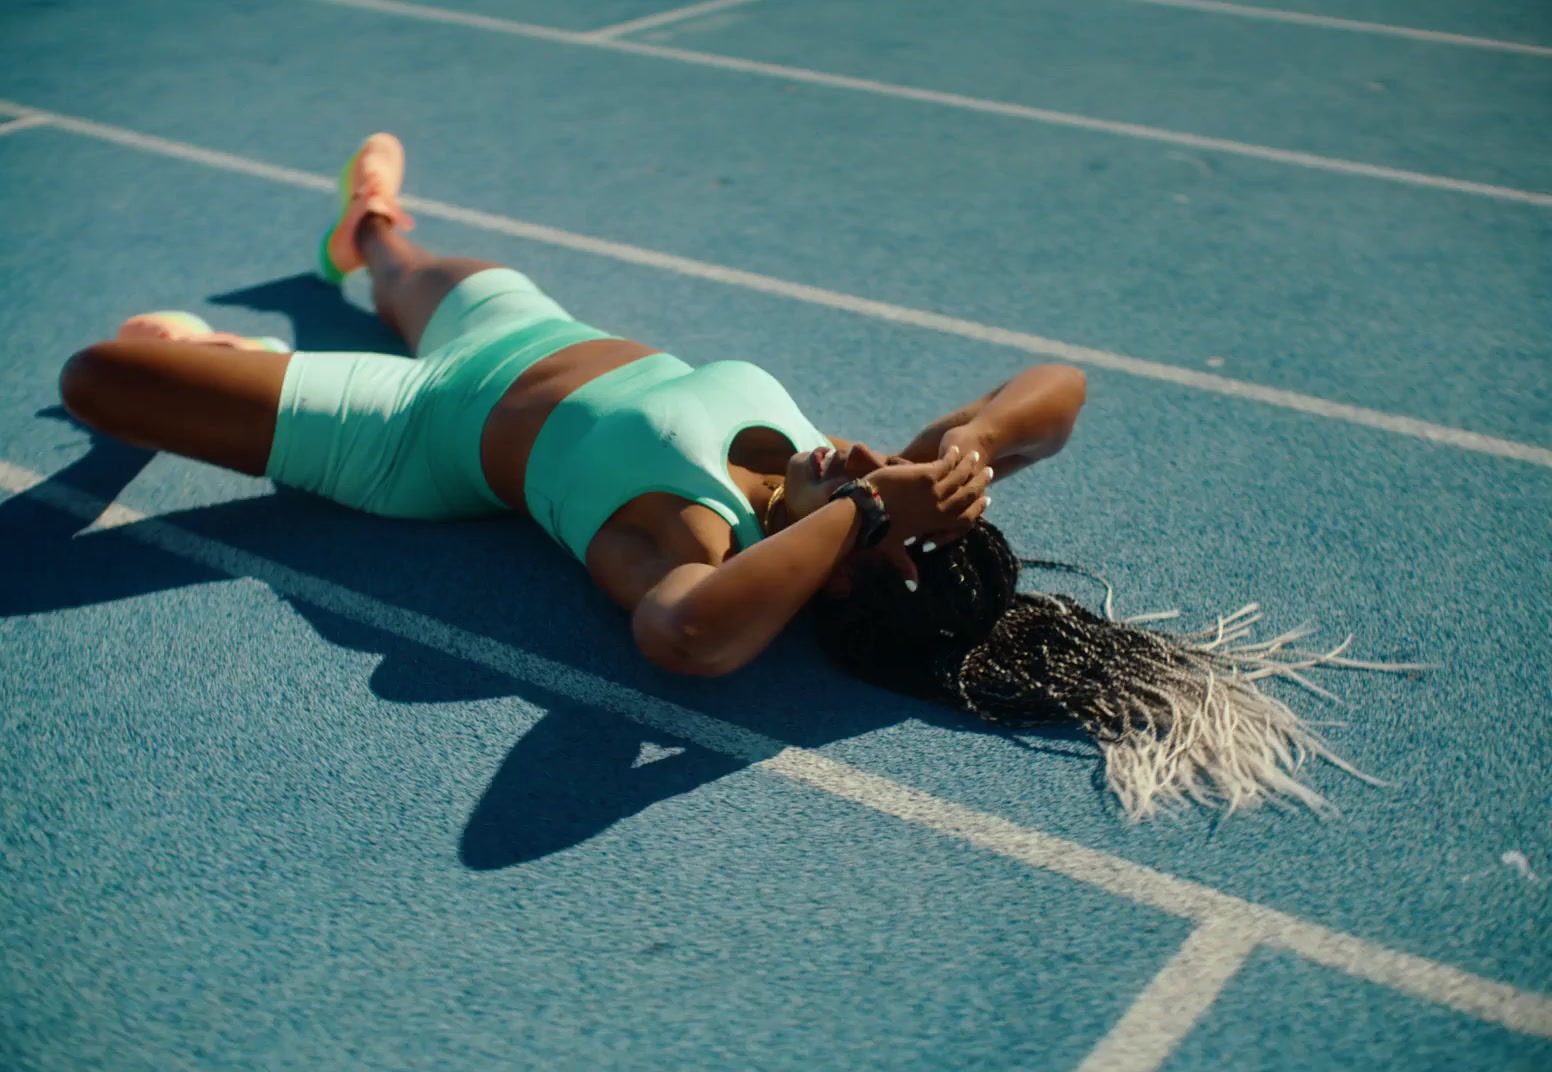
x: 770, y: 507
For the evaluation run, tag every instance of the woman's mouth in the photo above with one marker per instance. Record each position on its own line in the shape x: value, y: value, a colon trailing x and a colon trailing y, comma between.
x: 816, y: 461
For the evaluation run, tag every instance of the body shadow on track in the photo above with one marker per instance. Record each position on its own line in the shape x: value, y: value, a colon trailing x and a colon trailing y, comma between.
x: 576, y: 771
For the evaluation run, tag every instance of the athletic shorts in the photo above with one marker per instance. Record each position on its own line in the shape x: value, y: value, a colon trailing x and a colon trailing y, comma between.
x: 399, y: 436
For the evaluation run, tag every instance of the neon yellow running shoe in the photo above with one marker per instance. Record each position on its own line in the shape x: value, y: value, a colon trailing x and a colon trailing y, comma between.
x: 369, y: 183
x: 172, y: 325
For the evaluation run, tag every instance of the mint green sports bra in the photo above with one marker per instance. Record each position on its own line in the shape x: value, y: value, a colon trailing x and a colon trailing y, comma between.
x: 656, y: 424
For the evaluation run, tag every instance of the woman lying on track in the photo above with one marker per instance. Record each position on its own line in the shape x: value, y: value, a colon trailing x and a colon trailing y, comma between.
x: 701, y: 500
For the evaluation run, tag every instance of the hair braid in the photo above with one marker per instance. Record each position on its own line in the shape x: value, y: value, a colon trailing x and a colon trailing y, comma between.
x: 1176, y: 716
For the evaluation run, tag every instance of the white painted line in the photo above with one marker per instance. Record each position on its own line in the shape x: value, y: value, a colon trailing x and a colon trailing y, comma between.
x: 1037, y: 345
x: 1167, y: 1009
x: 678, y: 14
x: 180, y: 150
x: 1485, y: 999
x: 1290, y: 157
x: 1272, y: 14
x: 22, y: 123
x: 1427, y: 979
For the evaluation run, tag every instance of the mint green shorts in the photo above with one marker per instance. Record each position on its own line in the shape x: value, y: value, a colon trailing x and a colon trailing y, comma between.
x: 400, y: 436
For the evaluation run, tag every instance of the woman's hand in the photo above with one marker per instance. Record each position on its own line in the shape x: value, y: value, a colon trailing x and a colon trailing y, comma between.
x: 934, y: 502
x: 967, y: 439
x: 1027, y: 419
x: 933, y: 498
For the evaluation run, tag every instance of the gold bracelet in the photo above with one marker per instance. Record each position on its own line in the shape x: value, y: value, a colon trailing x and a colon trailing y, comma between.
x: 770, y: 507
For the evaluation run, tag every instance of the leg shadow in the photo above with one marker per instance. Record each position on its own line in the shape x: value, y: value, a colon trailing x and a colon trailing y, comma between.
x: 59, y: 566
x: 574, y: 774
x: 321, y: 318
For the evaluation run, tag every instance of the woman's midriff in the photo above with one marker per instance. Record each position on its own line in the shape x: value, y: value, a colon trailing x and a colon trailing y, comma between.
x: 513, y: 426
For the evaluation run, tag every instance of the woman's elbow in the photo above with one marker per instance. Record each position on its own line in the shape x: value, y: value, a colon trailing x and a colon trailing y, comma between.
x: 81, y: 383
x: 680, y: 647
x: 1075, y: 388
x: 1078, y: 393
x: 1068, y: 391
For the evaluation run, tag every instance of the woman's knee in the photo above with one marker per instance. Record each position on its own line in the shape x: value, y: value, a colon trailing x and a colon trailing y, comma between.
x: 84, y: 380
x: 110, y: 385
x: 210, y: 402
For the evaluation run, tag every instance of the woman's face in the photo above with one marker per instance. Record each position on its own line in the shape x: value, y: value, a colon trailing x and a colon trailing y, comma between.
x: 813, y: 475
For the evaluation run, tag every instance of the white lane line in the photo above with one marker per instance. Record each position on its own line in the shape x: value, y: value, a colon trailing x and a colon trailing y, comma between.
x: 180, y: 150
x: 1170, y: 1005
x: 1293, y: 158
x: 1485, y: 999
x: 22, y: 124
x: 1037, y: 345
x: 1427, y: 979
x: 1272, y: 14
x: 663, y: 18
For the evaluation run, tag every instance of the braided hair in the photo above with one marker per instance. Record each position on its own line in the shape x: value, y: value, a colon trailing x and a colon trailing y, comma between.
x: 1176, y: 716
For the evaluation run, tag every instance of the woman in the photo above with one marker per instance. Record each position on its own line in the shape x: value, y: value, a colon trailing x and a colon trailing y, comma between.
x: 701, y: 500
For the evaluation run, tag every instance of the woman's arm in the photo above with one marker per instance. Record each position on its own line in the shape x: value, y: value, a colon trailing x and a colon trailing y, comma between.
x: 697, y: 618
x: 1026, y: 419
x: 710, y: 620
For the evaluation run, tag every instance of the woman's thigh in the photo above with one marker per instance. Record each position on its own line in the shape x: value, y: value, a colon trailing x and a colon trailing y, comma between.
x: 213, y: 403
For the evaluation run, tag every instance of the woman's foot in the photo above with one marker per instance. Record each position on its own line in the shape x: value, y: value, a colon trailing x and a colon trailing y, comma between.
x: 175, y: 326
x: 369, y: 186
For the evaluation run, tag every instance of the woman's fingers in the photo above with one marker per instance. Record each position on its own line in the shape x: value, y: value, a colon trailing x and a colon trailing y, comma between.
x: 968, y: 519
x: 957, y: 528
x: 936, y: 501
x: 961, y: 509
x: 962, y: 472
x: 945, y: 464
x: 977, y: 508
x: 966, y: 483
x: 960, y: 499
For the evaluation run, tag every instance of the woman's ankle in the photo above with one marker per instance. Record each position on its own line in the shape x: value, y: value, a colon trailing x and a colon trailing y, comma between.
x: 374, y: 227
x: 383, y: 246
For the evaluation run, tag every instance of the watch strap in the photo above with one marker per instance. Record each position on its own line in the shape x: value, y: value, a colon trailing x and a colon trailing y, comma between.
x: 870, y: 506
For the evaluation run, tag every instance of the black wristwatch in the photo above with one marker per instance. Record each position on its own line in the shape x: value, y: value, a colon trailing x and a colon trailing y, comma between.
x: 870, y: 505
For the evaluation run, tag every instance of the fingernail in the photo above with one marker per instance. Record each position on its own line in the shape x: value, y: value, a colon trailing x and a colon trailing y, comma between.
x: 986, y: 500
x: 910, y: 540
x: 910, y: 586
x: 989, y: 474
x: 955, y: 450
x: 975, y: 455
x: 929, y: 546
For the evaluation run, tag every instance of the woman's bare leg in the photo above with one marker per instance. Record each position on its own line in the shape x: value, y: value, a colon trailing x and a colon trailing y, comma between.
x: 218, y: 404
x: 210, y: 402
x: 408, y: 283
